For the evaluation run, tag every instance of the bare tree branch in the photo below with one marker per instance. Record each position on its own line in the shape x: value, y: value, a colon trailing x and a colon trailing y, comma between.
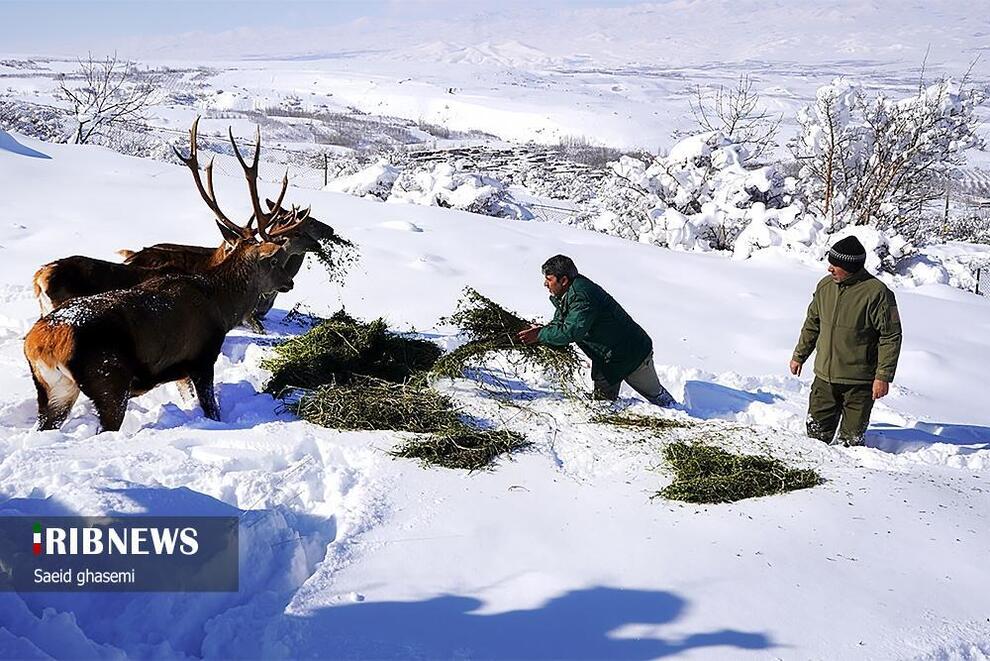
x: 111, y: 92
x: 737, y: 113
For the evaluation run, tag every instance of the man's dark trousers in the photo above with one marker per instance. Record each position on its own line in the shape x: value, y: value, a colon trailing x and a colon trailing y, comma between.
x: 844, y: 407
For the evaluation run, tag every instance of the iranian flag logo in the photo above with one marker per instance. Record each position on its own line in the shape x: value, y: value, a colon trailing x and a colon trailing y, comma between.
x: 37, y: 538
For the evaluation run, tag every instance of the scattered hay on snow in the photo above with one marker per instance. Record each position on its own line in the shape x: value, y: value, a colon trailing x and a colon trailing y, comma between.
x: 463, y: 447
x: 340, y: 347
x: 638, y: 421
x: 707, y: 474
x: 368, y: 403
x: 491, y: 328
x: 444, y: 439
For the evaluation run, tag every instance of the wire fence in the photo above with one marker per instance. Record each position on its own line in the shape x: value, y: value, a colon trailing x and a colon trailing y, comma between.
x: 553, y: 214
x: 983, y: 281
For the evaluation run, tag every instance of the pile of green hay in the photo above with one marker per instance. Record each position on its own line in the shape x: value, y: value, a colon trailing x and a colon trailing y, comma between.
x: 444, y: 439
x: 707, y: 474
x: 368, y: 403
x: 491, y: 328
x: 464, y: 447
x: 340, y: 347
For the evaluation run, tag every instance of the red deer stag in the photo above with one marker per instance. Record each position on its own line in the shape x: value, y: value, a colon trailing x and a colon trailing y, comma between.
x: 122, y: 343
x: 309, y: 236
x: 75, y: 276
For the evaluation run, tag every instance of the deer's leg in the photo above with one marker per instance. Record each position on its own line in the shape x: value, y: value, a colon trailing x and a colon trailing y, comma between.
x: 111, y: 407
x: 106, y: 380
x: 202, y: 379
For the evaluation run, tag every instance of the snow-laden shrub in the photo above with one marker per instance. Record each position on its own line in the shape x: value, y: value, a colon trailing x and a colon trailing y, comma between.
x: 376, y: 180
x: 973, y: 227
x: 872, y: 160
x: 700, y: 196
x: 444, y: 185
x: 956, y: 264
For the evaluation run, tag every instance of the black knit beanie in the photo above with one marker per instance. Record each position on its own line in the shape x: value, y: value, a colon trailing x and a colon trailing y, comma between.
x: 848, y: 254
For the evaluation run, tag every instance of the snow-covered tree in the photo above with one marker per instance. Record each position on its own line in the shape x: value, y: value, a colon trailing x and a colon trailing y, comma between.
x: 875, y: 160
x: 447, y: 185
x: 737, y: 113
x: 698, y: 196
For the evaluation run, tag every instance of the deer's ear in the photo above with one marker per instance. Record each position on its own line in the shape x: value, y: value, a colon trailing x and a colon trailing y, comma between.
x: 268, y: 249
x: 229, y: 235
x: 271, y: 205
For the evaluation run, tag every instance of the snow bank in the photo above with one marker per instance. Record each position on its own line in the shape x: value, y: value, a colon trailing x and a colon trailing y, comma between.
x: 375, y: 180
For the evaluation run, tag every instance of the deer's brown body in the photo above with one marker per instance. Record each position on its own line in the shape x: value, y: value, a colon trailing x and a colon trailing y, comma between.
x: 180, y: 258
x: 118, y: 344
x: 72, y: 277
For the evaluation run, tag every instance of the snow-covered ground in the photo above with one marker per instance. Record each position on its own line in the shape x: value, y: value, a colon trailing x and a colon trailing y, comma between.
x: 560, y: 553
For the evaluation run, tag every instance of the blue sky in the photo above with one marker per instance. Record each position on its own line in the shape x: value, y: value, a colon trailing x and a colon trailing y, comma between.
x: 69, y: 25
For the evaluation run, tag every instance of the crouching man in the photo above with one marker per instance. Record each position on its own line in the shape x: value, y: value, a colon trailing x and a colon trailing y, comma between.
x: 854, y: 326
x: 620, y: 350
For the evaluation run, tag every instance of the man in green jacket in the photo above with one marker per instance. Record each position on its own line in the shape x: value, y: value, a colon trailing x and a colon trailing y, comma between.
x: 619, y: 348
x: 854, y: 326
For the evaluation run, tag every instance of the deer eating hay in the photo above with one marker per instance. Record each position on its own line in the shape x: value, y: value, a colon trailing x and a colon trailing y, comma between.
x: 70, y: 277
x: 120, y: 343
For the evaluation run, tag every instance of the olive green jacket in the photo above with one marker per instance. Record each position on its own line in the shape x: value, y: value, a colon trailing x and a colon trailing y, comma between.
x: 587, y: 315
x: 855, y: 327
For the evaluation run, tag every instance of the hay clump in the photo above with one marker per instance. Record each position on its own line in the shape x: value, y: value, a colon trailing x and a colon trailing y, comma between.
x: 707, y: 474
x: 338, y: 348
x: 367, y: 403
x: 443, y: 438
x: 337, y: 255
x: 492, y: 328
x: 462, y: 446
x: 638, y: 421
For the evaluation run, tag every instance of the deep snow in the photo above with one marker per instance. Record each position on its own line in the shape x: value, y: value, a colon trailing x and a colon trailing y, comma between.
x: 347, y: 552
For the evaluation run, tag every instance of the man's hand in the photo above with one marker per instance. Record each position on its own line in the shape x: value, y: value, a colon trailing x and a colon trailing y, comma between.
x: 880, y: 388
x: 796, y: 368
x: 530, y: 335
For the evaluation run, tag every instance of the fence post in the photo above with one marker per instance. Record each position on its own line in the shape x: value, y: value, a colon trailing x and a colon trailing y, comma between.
x: 979, y: 272
x: 326, y: 169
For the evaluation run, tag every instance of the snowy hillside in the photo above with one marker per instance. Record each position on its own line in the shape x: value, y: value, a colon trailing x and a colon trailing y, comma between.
x: 347, y: 552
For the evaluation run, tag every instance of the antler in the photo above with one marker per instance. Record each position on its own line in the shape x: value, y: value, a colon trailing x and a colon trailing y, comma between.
x: 288, y: 223
x: 251, y: 173
x: 228, y: 228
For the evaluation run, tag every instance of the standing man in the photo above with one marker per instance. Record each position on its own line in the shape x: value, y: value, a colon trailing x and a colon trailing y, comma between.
x: 620, y: 350
x: 853, y: 324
